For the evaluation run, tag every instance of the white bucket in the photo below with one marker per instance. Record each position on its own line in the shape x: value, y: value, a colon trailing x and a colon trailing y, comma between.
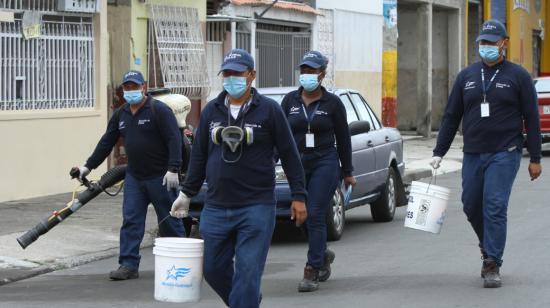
x: 427, y: 207
x: 178, y: 269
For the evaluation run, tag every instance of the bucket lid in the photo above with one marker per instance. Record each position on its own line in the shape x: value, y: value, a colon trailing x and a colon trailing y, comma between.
x: 429, y: 187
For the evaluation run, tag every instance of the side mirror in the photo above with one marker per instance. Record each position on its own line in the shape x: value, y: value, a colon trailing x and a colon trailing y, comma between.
x: 359, y: 127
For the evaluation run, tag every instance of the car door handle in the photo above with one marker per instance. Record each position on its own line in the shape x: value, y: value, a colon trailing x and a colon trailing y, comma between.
x: 370, y: 144
x: 387, y: 139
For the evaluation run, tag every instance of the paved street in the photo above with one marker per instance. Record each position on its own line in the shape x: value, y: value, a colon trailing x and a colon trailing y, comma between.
x: 377, y: 265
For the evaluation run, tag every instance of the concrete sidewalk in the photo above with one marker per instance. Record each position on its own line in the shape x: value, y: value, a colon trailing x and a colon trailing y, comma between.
x: 92, y: 233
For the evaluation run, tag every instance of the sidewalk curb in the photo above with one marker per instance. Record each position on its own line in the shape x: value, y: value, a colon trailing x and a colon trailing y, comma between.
x: 71, y: 262
x: 415, y: 175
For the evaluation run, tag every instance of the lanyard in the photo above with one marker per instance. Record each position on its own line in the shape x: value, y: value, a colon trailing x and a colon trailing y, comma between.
x: 309, y: 118
x: 483, y: 88
x: 243, y: 110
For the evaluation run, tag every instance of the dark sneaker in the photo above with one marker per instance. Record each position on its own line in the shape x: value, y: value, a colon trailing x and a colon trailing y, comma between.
x: 324, y: 271
x: 310, y: 282
x: 124, y: 273
x: 491, y: 274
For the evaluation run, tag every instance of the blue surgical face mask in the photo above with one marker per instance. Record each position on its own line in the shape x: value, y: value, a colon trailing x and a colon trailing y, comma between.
x: 133, y: 97
x: 235, y: 86
x: 310, y: 82
x: 489, y: 52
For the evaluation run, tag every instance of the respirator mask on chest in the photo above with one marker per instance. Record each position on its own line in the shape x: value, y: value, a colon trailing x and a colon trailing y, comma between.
x: 232, y: 139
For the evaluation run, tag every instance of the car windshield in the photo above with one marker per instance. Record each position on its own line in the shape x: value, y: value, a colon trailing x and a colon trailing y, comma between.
x: 542, y: 85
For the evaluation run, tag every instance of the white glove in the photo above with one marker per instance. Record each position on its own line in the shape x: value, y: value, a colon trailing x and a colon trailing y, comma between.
x: 436, y: 160
x: 171, y: 180
x: 84, y: 171
x: 180, y: 207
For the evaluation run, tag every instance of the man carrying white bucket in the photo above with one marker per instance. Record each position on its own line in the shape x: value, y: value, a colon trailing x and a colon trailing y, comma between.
x: 234, y: 150
x: 493, y: 98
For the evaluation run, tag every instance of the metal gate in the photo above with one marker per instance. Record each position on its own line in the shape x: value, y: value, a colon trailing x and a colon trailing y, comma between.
x: 53, y: 71
x: 279, y: 54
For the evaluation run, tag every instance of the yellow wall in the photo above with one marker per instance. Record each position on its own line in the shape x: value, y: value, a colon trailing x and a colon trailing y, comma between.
x: 520, y: 29
x: 39, y: 148
x: 369, y: 84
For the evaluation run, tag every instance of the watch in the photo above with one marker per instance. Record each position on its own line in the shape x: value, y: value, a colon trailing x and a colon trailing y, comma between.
x: 173, y: 169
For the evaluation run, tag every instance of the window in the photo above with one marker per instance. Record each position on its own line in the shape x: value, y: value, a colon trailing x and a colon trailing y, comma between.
x: 365, y: 111
x: 177, y: 55
x: 350, y: 111
x: 362, y: 109
x: 53, y: 71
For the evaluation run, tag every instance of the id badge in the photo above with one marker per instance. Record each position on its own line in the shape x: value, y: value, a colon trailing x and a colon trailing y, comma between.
x: 310, y: 140
x: 484, y: 110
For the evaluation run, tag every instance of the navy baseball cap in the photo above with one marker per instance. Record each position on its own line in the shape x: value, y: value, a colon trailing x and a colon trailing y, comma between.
x: 314, y: 59
x: 492, y: 31
x: 238, y: 60
x: 133, y: 76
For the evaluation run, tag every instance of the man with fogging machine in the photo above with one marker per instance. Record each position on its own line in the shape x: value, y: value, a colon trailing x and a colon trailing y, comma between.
x: 153, y: 145
x: 494, y: 99
x: 234, y: 149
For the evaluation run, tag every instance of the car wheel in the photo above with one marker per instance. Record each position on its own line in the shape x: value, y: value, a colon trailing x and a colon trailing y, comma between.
x: 383, y: 209
x: 336, y: 216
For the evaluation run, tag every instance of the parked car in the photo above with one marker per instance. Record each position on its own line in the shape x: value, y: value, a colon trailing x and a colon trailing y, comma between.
x: 377, y: 154
x: 542, y: 85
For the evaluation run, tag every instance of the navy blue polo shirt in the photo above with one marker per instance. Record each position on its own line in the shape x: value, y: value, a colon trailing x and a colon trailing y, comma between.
x: 251, y: 179
x: 512, y: 102
x: 329, y: 125
x: 152, y: 140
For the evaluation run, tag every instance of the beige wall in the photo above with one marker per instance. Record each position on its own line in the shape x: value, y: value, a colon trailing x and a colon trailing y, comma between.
x: 120, y: 55
x: 39, y: 148
x: 369, y: 84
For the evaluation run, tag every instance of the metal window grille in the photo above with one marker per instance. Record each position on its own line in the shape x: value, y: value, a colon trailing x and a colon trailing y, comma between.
x: 215, y: 35
x: 54, y: 71
x: 176, y: 39
x: 32, y: 5
x: 215, y: 31
x: 243, y: 37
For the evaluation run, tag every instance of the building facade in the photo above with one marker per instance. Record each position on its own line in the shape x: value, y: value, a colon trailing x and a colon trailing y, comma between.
x: 431, y: 52
x: 53, y: 92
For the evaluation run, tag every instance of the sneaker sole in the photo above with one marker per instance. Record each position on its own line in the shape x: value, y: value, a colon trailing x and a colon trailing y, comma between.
x: 492, y: 284
x: 306, y: 289
x: 119, y: 279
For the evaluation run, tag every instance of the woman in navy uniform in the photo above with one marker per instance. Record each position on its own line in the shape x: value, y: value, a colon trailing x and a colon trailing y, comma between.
x: 318, y: 122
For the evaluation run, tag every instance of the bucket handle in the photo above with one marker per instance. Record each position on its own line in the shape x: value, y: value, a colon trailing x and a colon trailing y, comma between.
x: 433, y: 178
x: 168, y: 216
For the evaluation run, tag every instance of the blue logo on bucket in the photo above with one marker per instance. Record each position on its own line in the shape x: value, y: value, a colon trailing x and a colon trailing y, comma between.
x: 177, y: 272
x: 442, y: 218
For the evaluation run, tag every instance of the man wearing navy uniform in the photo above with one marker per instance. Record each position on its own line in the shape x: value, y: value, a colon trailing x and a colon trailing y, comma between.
x: 234, y: 151
x: 494, y: 98
x: 152, y: 142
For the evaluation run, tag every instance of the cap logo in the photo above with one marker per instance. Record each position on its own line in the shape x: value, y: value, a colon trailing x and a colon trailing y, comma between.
x: 310, y: 55
x: 131, y: 74
x: 489, y: 27
x: 232, y: 56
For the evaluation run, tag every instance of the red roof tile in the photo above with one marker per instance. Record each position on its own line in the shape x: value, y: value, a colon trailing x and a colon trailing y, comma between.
x: 285, y: 5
